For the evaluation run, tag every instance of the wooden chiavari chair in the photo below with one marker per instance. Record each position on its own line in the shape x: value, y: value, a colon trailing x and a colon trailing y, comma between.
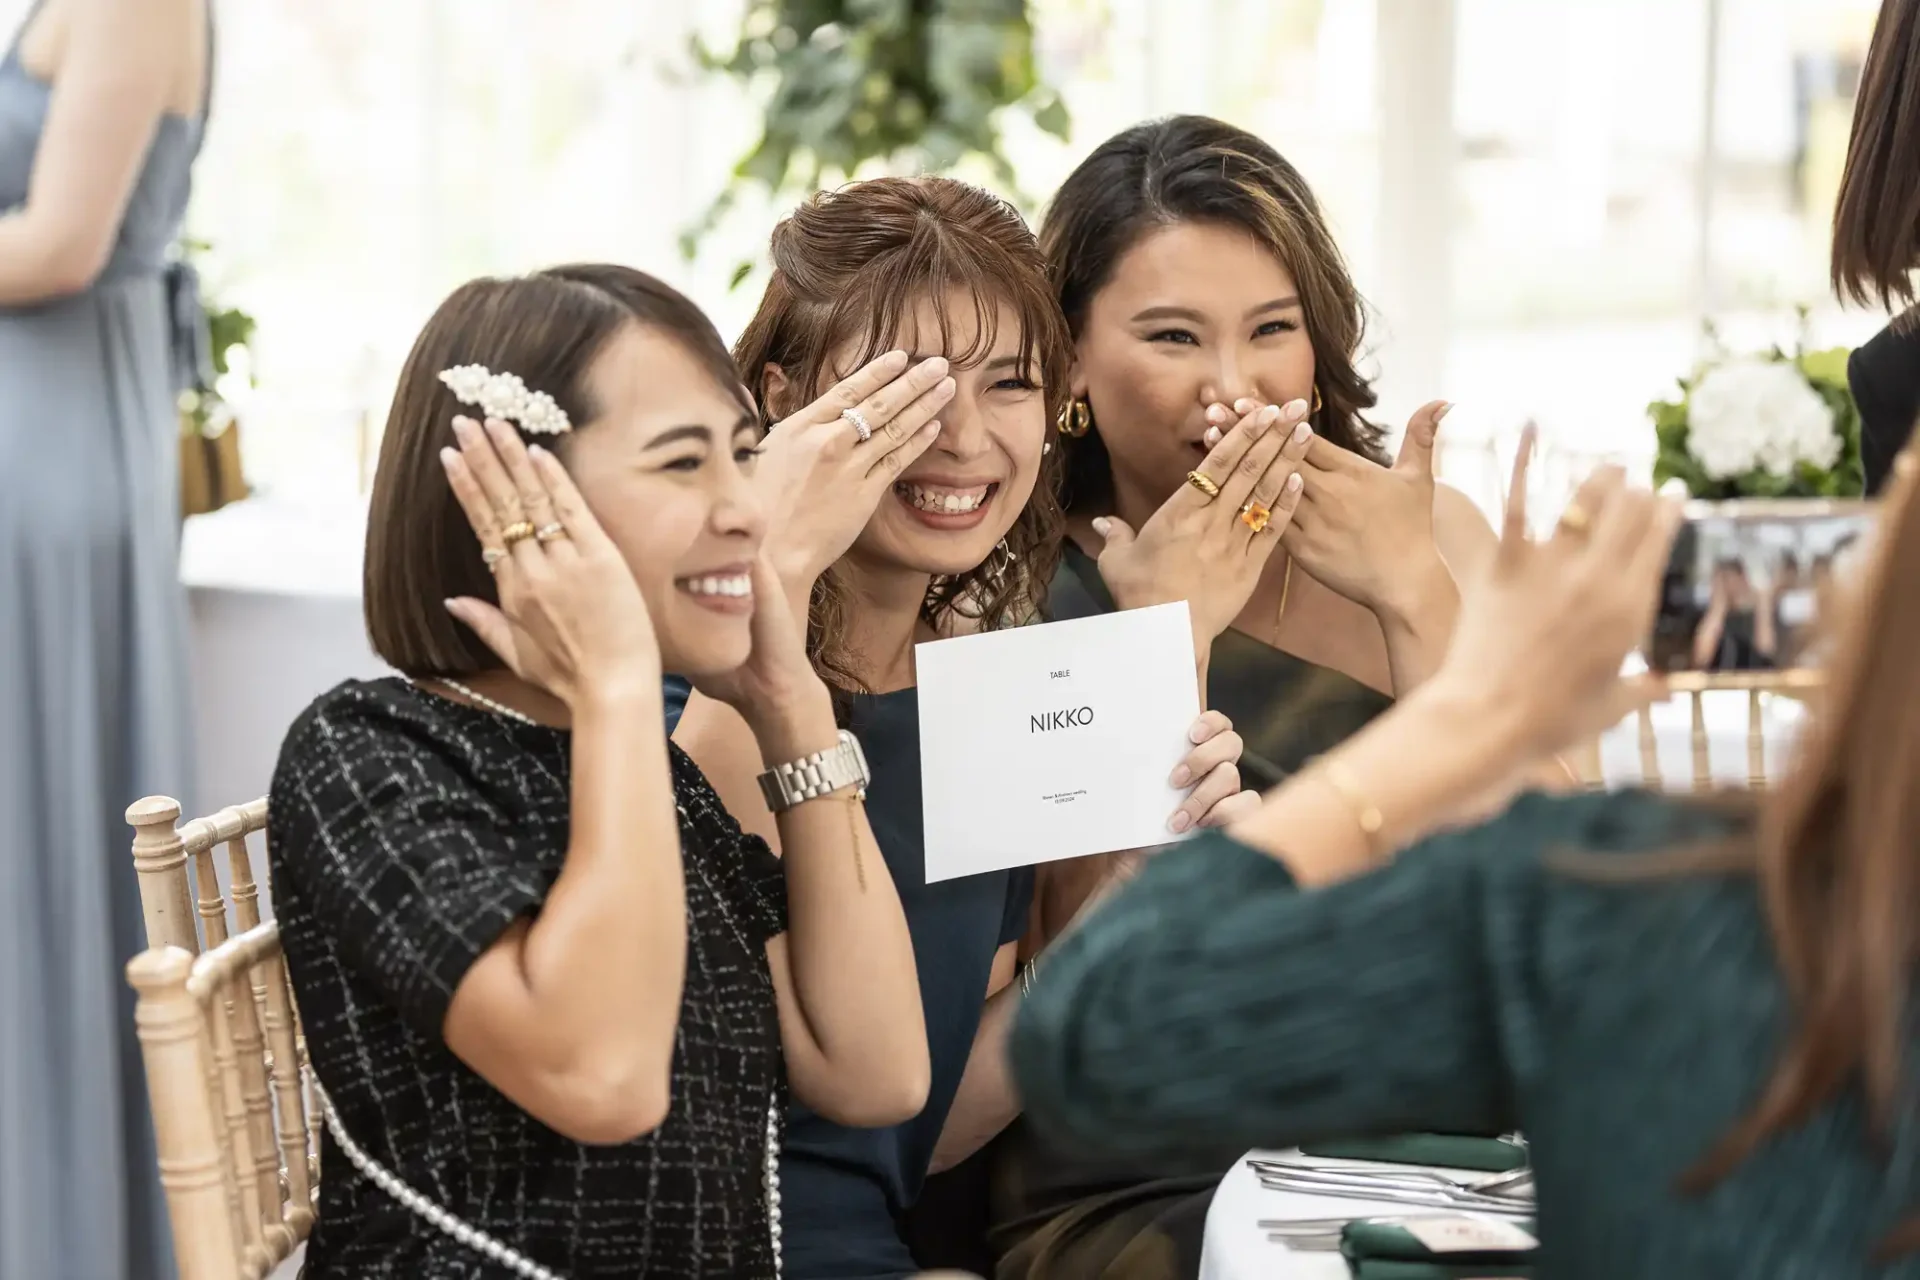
x: 1696, y: 687
x: 237, y: 1126
x: 164, y: 848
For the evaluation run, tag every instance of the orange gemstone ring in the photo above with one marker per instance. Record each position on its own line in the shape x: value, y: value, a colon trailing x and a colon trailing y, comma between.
x: 1255, y: 516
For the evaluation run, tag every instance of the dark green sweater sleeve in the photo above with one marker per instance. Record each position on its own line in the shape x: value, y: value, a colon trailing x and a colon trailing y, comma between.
x: 1211, y: 1003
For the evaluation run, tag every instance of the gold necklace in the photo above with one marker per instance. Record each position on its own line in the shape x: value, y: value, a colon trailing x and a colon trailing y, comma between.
x: 1286, y: 588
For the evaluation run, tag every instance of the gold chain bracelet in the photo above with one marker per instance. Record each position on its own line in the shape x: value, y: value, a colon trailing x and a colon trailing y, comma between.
x: 1366, y: 814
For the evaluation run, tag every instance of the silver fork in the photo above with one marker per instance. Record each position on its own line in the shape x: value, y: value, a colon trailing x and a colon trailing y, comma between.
x: 1493, y: 1184
x: 1402, y: 1194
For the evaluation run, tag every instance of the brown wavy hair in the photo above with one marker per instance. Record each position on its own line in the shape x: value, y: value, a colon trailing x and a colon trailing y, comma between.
x: 1836, y: 852
x: 1876, y: 221
x: 848, y: 267
x: 1187, y: 169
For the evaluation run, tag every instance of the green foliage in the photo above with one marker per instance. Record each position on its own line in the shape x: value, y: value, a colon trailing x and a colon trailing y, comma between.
x: 1826, y: 372
x: 227, y: 327
x: 230, y: 327
x: 915, y: 84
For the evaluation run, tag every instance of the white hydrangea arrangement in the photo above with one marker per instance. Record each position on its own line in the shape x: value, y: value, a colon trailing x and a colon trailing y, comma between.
x: 1765, y: 426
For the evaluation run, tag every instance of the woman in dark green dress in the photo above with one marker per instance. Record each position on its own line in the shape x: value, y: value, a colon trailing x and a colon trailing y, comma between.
x: 1205, y: 292
x: 1703, y: 1024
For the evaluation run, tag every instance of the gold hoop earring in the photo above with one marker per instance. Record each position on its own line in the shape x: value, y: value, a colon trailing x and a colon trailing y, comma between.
x: 1075, y: 420
x: 1316, y: 398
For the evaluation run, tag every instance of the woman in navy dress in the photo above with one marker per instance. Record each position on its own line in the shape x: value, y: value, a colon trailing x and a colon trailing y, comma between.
x: 890, y: 531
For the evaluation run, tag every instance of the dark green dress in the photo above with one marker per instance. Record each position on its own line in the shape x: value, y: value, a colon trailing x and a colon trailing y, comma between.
x: 1057, y: 1216
x: 1287, y: 709
x: 1475, y: 985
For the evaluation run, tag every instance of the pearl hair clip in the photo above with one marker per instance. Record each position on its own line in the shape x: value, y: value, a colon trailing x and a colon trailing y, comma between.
x: 503, y: 395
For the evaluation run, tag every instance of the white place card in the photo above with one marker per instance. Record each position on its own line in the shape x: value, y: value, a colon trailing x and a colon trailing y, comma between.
x: 1054, y: 741
x: 1470, y: 1235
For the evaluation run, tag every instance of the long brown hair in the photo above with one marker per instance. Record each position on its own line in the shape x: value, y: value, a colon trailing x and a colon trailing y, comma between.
x: 849, y: 266
x: 1837, y: 855
x: 1188, y: 169
x: 548, y: 328
x: 1876, y: 222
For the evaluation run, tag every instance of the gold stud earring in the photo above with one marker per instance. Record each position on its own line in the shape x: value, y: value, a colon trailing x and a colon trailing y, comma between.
x: 1075, y: 420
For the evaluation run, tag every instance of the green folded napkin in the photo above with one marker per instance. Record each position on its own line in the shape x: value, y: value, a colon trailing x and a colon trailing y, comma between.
x: 1447, y: 1150
x: 1378, y: 1269
x: 1385, y: 1251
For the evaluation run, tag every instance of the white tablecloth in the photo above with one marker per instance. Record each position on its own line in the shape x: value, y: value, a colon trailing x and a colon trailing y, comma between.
x: 273, y: 592
x: 1237, y: 1248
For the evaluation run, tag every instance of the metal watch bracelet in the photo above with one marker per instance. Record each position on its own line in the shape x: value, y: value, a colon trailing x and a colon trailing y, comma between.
x: 822, y: 773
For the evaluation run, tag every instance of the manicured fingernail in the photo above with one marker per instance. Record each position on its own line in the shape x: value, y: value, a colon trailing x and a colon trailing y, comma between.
x: 1180, y: 822
x: 1245, y: 405
x: 1443, y: 411
x: 1294, y: 483
x: 449, y: 456
x: 1303, y: 433
x: 1212, y: 437
x: 1181, y: 777
x: 1198, y: 733
x: 945, y: 387
x: 1295, y: 410
x: 463, y: 429
x: 451, y: 605
x: 1270, y: 415
x: 1216, y: 413
x: 893, y: 357
x: 934, y: 364
x: 535, y: 451
x: 1101, y: 524
x: 931, y: 429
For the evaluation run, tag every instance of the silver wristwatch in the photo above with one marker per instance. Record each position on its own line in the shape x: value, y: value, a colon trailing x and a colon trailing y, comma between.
x: 816, y: 775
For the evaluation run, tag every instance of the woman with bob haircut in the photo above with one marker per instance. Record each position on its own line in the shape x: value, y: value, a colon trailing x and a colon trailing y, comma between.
x: 892, y: 531
x: 554, y: 995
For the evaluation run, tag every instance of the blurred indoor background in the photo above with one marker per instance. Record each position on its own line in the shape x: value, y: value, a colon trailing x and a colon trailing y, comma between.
x: 1546, y: 201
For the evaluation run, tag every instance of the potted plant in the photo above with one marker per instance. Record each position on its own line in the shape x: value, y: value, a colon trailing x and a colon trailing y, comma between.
x: 211, y: 475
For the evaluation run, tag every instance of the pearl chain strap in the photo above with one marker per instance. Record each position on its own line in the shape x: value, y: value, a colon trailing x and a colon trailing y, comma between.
x: 481, y: 699
x: 504, y: 1254
x: 473, y: 1236
x: 382, y: 1177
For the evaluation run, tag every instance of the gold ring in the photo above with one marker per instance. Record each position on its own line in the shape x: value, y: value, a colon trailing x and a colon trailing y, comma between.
x: 548, y: 532
x: 1255, y: 516
x: 518, y: 531
x: 1575, y: 519
x: 1204, y: 483
x: 491, y: 557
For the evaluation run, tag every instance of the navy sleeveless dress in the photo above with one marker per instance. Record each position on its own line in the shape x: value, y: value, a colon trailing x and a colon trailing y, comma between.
x: 847, y: 1193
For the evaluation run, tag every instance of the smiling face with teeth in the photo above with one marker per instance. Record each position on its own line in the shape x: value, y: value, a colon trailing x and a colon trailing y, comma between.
x: 954, y: 503
x: 665, y: 467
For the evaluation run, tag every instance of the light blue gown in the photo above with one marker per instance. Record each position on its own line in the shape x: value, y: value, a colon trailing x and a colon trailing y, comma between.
x: 94, y: 710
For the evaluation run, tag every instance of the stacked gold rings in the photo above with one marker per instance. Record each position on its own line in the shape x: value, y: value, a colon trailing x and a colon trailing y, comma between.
x: 515, y: 532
